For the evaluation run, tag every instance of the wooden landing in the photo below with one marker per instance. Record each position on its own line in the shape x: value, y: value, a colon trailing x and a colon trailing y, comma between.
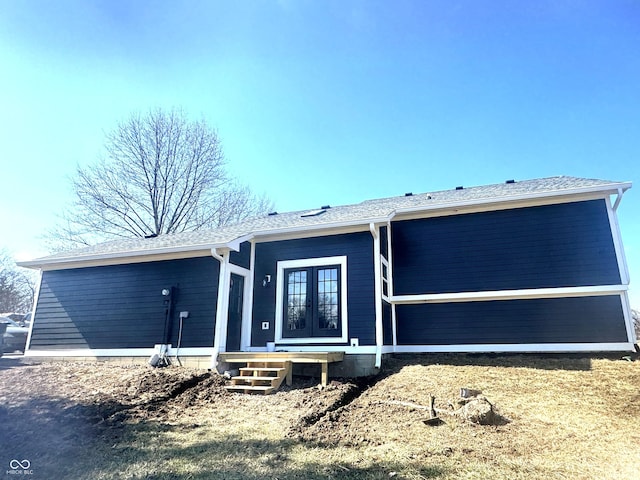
x: 322, y: 358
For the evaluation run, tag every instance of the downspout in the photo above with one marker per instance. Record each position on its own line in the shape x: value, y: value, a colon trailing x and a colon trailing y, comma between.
x: 220, y: 306
x: 378, y: 292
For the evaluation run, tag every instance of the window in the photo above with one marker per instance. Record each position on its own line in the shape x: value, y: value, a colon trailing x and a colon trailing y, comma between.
x: 311, y: 303
x: 385, y: 277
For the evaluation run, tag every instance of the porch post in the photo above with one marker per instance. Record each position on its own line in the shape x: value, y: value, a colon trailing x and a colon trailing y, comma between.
x: 222, y: 307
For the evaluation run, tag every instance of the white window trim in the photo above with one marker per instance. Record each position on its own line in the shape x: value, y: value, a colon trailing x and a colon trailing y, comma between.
x: 383, y: 280
x: 303, y: 263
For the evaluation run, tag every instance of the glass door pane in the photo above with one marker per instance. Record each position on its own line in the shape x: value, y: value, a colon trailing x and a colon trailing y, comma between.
x: 328, y: 300
x: 297, y: 304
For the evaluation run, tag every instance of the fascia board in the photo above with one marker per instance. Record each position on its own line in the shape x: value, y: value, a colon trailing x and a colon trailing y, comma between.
x: 137, y: 256
x: 598, y: 191
x: 236, y: 242
x: 328, y: 227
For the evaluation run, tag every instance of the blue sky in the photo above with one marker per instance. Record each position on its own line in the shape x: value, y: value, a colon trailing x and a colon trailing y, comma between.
x: 325, y: 102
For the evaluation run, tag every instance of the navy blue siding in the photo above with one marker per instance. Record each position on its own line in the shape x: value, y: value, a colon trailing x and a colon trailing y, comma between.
x: 546, y: 320
x: 387, y: 328
x: 358, y: 247
x: 243, y: 257
x: 546, y: 246
x: 121, y: 306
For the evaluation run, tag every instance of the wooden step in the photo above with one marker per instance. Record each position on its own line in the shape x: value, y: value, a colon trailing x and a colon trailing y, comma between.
x: 276, y: 370
x: 251, y: 378
x: 260, y: 377
x: 264, y: 389
x: 266, y: 381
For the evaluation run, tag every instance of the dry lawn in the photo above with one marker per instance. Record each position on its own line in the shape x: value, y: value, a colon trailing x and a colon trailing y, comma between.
x: 564, y: 417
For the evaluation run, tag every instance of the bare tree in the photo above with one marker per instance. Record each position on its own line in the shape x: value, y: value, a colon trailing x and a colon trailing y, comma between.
x: 635, y: 314
x: 17, y: 286
x: 162, y: 173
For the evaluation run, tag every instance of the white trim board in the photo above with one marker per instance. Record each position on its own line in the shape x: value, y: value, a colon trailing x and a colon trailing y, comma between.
x: 121, y: 258
x: 559, y: 292
x: 348, y: 350
x: 36, y: 299
x: 311, y: 262
x: 617, y: 243
x: 119, y: 352
x: 518, y: 347
x: 510, y: 202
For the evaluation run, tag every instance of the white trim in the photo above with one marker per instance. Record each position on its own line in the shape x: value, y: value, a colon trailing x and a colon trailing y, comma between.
x: 36, y: 297
x: 246, y: 291
x: 385, y: 263
x: 518, y: 347
x: 617, y: 243
x: 377, y: 278
x: 510, y: 294
x: 118, y: 352
x: 247, y: 312
x: 445, y: 210
x: 394, y: 328
x: 628, y: 318
x: 347, y: 349
x: 120, y: 258
x: 309, y: 232
x: 618, y: 199
x: 222, y: 305
x: 236, y: 242
x: 520, y: 200
x: 311, y: 262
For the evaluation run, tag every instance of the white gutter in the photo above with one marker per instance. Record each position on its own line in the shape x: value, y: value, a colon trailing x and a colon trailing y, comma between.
x: 610, y: 189
x: 323, y: 226
x: 113, y: 255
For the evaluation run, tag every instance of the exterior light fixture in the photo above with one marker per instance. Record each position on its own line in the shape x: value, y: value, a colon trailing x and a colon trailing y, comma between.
x: 166, y: 292
x: 266, y: 281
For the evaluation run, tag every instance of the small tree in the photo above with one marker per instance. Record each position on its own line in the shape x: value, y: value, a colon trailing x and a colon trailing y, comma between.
x: 17, y: 286
x: 162, y: 174
x: 636, y: 322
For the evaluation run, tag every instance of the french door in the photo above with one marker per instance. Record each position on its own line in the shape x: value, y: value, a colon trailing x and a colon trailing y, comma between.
x: 311, y: 304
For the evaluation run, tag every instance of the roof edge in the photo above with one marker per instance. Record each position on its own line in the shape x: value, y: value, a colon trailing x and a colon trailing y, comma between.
x: 78, y: 260
x: 605, y: 189
x: 185, y: 251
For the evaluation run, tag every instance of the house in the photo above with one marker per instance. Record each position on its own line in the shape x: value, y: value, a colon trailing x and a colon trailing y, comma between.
x: 527, y: 266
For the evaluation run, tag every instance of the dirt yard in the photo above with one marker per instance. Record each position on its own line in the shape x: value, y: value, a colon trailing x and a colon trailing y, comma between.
x: 555, y: 417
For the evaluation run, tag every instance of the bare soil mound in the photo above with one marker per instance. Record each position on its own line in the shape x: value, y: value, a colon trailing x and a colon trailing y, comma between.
x: 567, y: 417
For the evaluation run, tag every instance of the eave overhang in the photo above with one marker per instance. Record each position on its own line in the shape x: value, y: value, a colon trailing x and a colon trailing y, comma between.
x: 437, y: 209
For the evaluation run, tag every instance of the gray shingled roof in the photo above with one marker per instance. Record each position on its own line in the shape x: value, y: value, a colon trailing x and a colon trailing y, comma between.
x: 360, y: 213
